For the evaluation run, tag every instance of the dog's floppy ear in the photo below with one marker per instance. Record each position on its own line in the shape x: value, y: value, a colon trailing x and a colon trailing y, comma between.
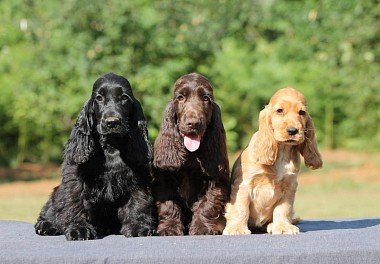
x: 141, y: 148
x: 169, y: 153
x: 81, y: 143
x: 265, y: 146
x: 213, y: 150
x: 308, y: 148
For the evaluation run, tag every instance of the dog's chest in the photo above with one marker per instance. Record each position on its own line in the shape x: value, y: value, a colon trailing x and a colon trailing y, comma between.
x: 190, y: 187
x: 287, y: 164
x: 109, y: 179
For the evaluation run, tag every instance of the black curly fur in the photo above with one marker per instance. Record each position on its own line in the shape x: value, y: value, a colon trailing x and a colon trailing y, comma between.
x: 105, y: 171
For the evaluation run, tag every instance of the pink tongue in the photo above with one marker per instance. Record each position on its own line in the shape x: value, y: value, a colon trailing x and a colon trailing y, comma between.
x: 192, y: 142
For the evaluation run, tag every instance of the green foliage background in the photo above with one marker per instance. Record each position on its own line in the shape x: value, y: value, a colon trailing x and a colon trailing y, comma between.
x: 52, y: 51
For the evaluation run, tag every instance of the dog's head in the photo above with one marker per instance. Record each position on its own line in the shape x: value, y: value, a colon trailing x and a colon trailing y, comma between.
x: 285, y: 120
x: 111, y: 113
x: 112, y: 104
x: 288, y: 116
x: 192, y: 123
x: 193, y: 106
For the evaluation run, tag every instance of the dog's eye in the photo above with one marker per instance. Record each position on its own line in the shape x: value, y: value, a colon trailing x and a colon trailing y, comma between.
x: 124, y: 97
x: 99, y: 97
x: 280, y: 111
x: 180, y: 97
x: 206, y: 98
x: 302, y: 112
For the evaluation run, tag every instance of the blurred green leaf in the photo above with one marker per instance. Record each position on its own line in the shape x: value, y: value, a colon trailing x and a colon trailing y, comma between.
x: 51, y: 52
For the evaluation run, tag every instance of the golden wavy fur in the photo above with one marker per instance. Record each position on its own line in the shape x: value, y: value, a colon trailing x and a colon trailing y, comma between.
x: 264, y: 177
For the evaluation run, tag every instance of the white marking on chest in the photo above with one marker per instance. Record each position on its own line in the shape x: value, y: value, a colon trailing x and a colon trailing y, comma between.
x: 287, y: 163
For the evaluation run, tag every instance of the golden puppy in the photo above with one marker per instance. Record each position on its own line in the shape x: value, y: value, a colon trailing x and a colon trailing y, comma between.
x: 264, y: 177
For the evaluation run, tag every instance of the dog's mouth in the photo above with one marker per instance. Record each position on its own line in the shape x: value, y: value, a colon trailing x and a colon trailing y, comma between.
x: 113, y: 131
x: 192, y: 137
x: 192, y: 141
x: 292, y: 141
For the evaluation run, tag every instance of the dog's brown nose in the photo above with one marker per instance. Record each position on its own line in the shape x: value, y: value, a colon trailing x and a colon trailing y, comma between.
x: 292, y: 131
x: 112, y: 122
x: 193, y: 123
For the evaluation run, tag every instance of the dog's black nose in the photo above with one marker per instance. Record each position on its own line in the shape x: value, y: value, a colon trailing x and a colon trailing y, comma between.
x: 112, y: 122
x: 292, y: 131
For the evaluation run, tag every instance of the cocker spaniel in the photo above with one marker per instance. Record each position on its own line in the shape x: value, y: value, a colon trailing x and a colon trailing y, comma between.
x: 190, y: 162
x: 105, y: 171
x: 264, y: 177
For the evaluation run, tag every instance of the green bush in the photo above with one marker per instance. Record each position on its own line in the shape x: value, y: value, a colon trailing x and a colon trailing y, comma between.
x: 51, y: 52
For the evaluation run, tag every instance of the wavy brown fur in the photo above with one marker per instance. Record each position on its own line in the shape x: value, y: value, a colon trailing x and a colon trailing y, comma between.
x: 191, y: 188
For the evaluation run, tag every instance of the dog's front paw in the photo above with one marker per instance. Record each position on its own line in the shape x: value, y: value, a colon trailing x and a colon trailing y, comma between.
x: 80, y: 232
x: 236, y: 230
x: 141, y: 232
x: 202, y: 231
x: 45, y: 228
x: 171, y: 230
x: 171, y: 227
x: 197, y: 228
x: 147, y: 231
x: 282, y: 228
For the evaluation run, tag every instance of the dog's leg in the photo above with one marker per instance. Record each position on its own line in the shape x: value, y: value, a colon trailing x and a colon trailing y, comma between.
x: 171, y: 218
x: 80, y: 230
x: 208, y: 212
x: 237, y: 211
x: 283, y: 211
x: 45, y: 223
x: 70, y: 221
x: 138, y: 215
x: 77, y: 220
x: 65, y: 213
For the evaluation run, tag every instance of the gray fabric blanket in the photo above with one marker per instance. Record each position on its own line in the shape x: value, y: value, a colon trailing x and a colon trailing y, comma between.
x: 333, y: 241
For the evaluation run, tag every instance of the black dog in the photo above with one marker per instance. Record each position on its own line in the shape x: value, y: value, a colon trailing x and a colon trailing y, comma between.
x: 105, y: 171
